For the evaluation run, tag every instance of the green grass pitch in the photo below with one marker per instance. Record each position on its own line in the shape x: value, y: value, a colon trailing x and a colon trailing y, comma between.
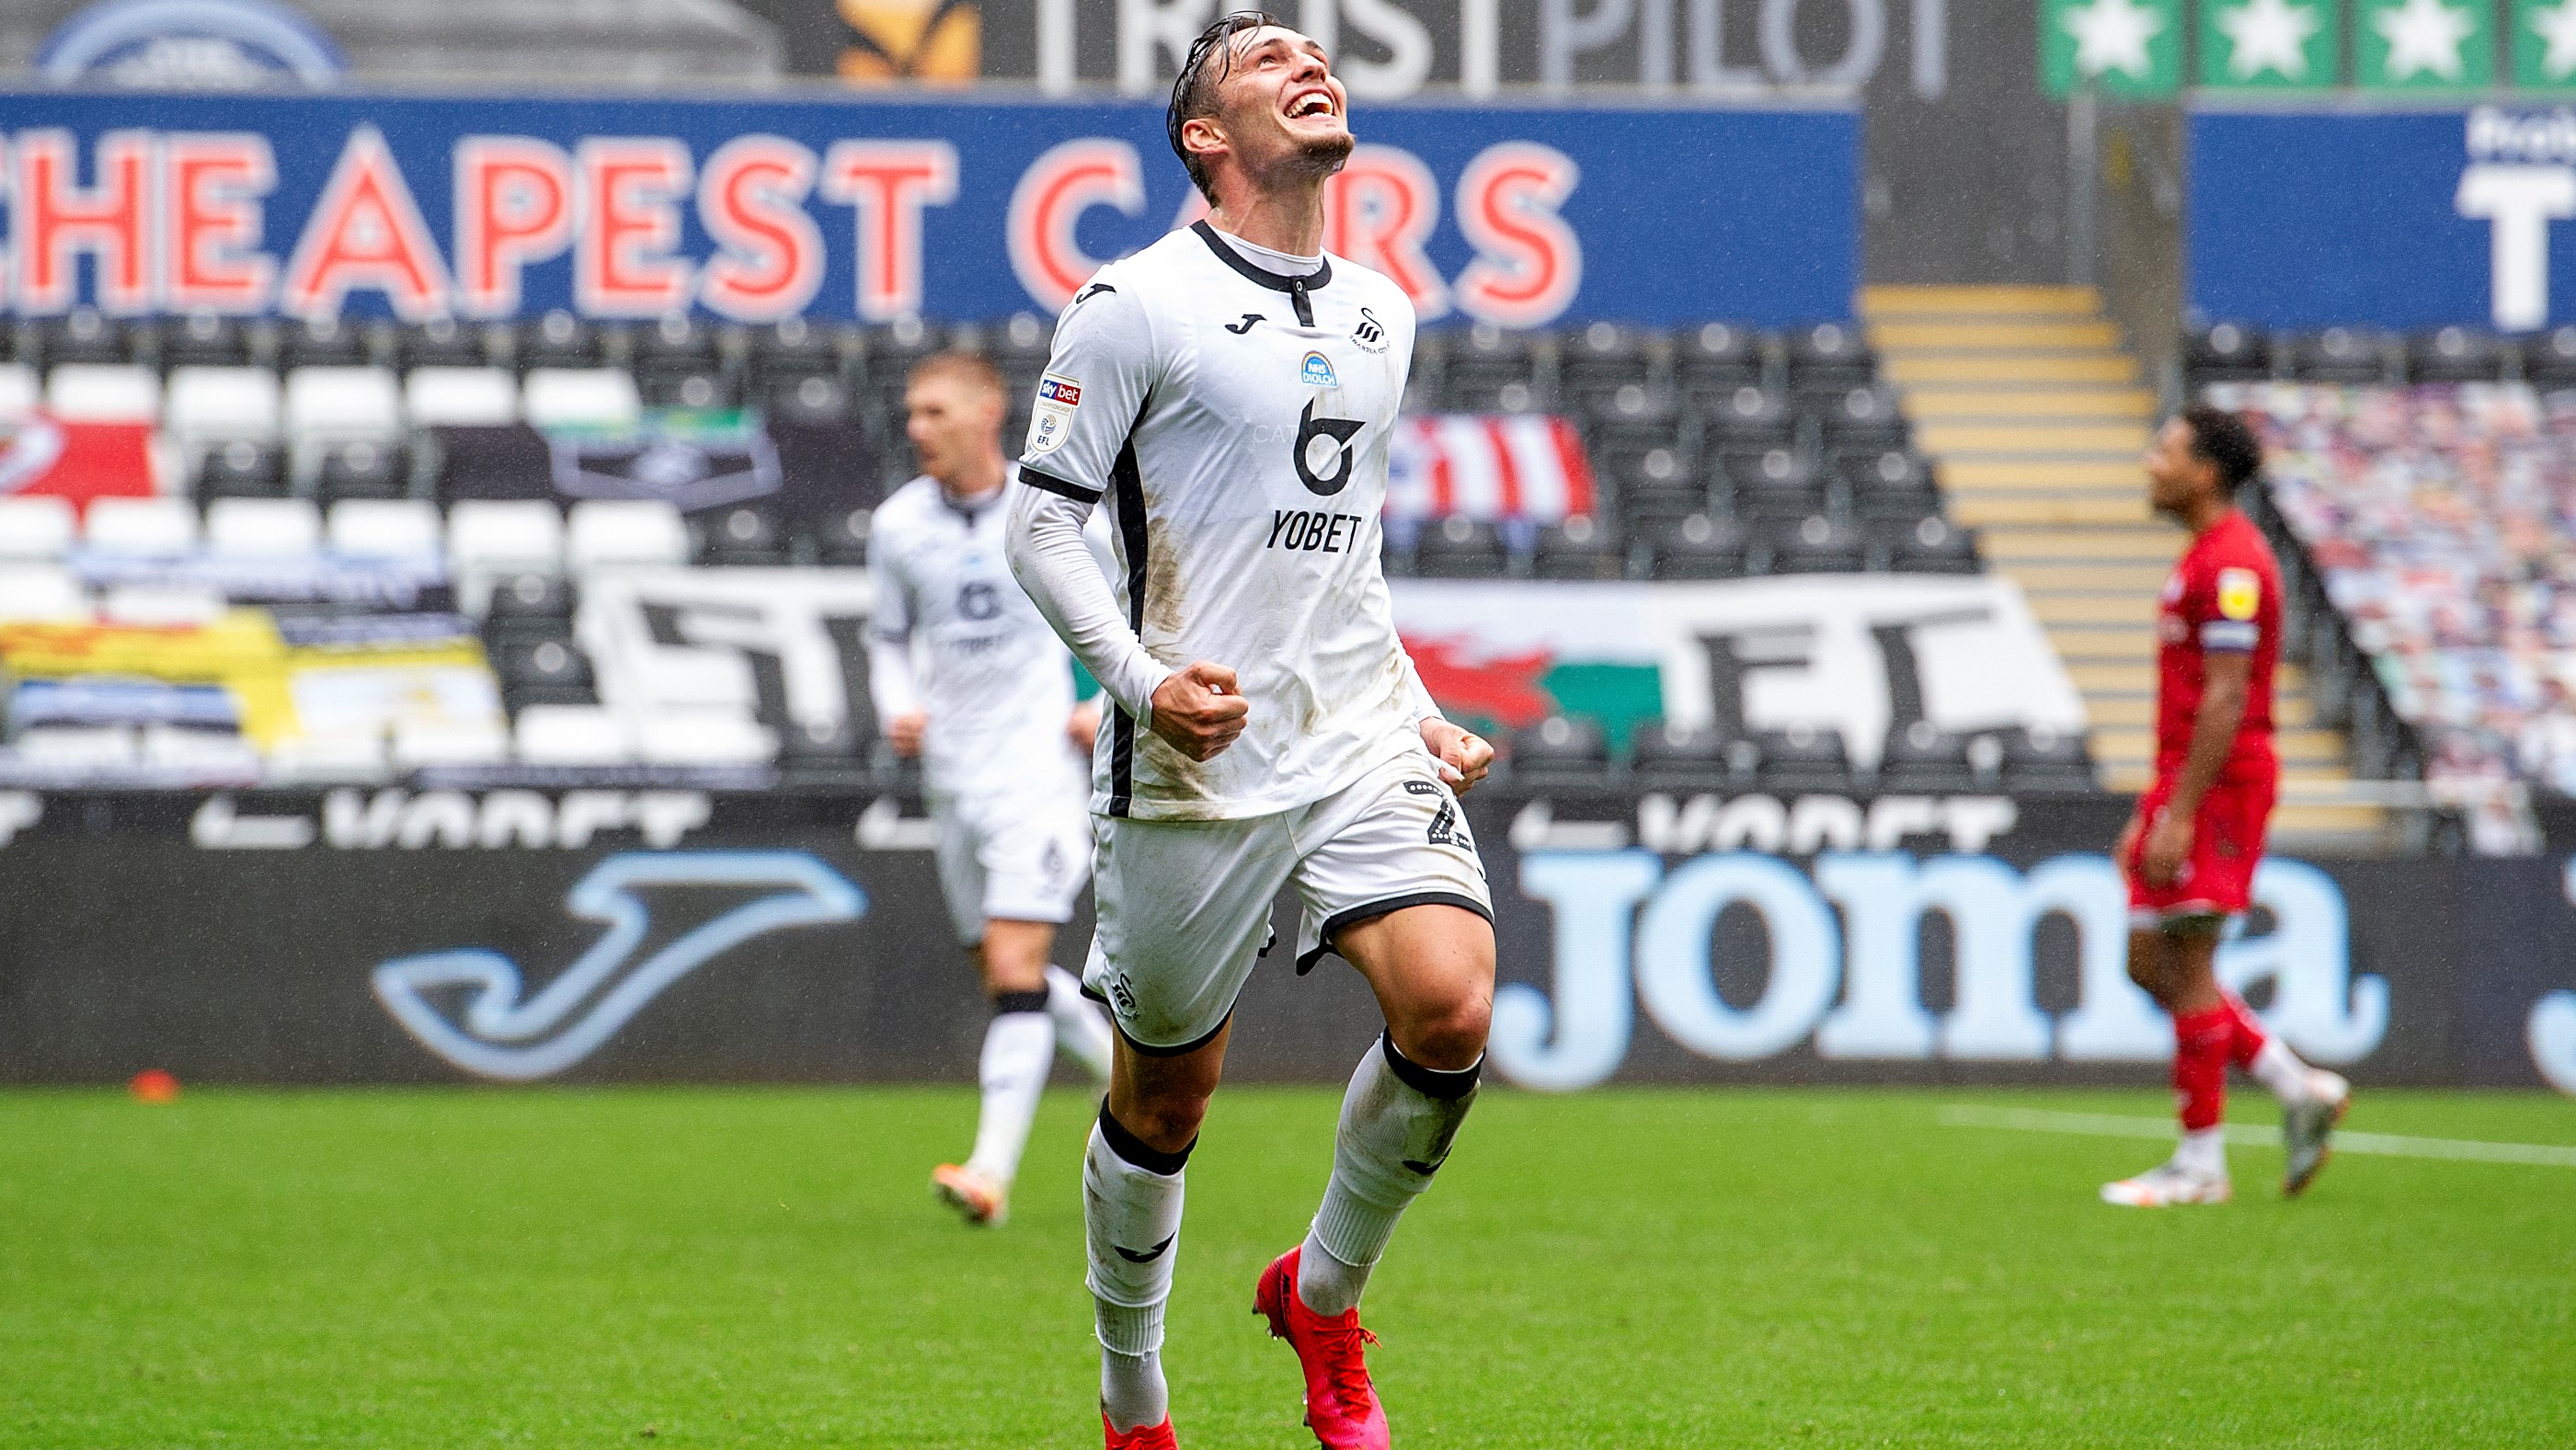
x: 1629, y: 1269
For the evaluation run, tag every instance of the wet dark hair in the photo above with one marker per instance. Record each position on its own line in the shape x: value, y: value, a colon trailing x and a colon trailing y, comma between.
x: 2223, y: 438
x: 1194, y: 91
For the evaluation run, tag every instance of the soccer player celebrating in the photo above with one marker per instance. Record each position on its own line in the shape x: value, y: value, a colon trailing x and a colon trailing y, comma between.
x: 2190, y: 851
x: 990, y: 712
x: 1228, y: 394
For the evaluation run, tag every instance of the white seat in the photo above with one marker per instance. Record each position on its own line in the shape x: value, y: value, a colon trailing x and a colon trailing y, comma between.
x: 384, y: 528
x: 19, y: 391
x: 325, y: 405
x: 594, y: 397
x: 265, y: 528
x: 496, y: 536
x: 327, y: 759
x: 41, y: 594
x: 209, y: 750
x: 103, y: 393
x: 152, y: 528
x: 36, y: 526
x: 461, y: 397
x: 712, y: 736
x: 161, y: 606
x: 620, y: 533
x: 572, y: 735
x: 207, y: 406
x: 77, y: 746
x: 417, y: 743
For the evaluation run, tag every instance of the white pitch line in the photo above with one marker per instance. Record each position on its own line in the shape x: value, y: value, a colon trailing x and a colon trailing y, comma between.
x: 2387, y: 1145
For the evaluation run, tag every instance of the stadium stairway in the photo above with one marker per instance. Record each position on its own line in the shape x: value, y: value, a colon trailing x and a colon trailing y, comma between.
x: 2036, y: 414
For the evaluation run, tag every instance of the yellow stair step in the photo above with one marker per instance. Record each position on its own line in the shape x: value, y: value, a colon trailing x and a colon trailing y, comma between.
x: 2124, y: 675
x: 2106, y: 708
x: 2053, y: 609
x: 2142, y: 580
x: 2068, y: 473
x: 1980, y: 510
x: 2027, y: 368
x: 2144, y: 545
x: 2305, y: 820
x: 1888, y: 300
x: 2013, y: 403
x: 1963, y: 333
x: 2303, y: 749
x: 1986, y: 436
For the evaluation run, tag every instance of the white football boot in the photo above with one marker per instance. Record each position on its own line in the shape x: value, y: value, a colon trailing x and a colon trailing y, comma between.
x: 2167, y: 1185
x: 2307, y: 1129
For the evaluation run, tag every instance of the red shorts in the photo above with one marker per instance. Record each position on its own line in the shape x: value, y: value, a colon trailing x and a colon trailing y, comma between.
x: 2217, y: 878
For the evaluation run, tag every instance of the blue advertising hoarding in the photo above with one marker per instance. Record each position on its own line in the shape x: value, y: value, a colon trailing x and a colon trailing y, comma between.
x: 757, y: 209
x: 2413, y: 219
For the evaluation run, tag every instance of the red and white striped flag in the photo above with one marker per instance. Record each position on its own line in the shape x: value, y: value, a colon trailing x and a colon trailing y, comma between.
x: 1487, y: 466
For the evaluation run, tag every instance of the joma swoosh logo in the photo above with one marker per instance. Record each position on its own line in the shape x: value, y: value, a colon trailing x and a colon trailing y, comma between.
x: 1146, y: 1256
x: 1249, y: 322
x: 504, y: 1037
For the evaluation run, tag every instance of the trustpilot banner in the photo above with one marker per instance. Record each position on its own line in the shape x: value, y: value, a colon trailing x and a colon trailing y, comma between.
x: 753, y: 210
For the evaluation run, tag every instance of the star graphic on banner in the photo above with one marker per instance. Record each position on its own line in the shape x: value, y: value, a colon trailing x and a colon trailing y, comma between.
x: 2112, y: 35
x: 2272, y: 35
x: 2557, y: 27
x: 2423, y: 37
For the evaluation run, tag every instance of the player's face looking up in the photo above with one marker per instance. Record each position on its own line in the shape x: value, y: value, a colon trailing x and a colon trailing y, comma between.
x: 1279, y: 116
x: 953, y: 421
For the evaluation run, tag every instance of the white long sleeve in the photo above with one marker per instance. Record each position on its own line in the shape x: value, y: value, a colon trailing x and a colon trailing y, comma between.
x: 1044, y: 538
x: 892, y: 687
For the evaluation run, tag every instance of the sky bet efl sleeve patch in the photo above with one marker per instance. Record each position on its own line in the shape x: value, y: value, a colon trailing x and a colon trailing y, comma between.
x: 1052, y: 419
x: 2240, y: 594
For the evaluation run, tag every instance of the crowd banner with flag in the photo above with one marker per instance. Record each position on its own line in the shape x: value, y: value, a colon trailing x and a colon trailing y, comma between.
x: 1486, y: 466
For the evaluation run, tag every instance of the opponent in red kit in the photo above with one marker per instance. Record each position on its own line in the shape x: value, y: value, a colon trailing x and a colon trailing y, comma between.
x: 2190, y: 851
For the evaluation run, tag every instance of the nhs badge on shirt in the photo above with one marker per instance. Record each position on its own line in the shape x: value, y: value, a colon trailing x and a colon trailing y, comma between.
x: 1317, y: 372
x: 1052, y: 419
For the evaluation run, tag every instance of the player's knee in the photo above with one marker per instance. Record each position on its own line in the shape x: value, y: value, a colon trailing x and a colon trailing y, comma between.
x: 1452, y: 1035
x: 1168, y: 1121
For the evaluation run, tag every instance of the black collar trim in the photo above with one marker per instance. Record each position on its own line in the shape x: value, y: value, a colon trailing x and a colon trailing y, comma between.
x: 1322, y: 276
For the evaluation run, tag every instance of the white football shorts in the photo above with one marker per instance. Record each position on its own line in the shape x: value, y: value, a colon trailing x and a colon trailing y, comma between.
x: 1184, y: 906
x: 1011, y: 856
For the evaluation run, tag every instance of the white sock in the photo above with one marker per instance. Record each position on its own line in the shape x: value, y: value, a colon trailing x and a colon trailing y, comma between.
x: 2204, y: 1152
x: 1131, y: 1214
x: 1018, y: 1049
x: 1398, y: 1119
x: 1081, y: 1028
x: 2278, y: 1068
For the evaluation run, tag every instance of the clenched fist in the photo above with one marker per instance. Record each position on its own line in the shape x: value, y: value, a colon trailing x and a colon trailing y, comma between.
x: 1199, y: 712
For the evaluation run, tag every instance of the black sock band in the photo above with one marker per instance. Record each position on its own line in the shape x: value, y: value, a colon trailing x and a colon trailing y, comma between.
x: 1431, y: 1082
x: 1006, y: 1003
x: 1137, y: 1151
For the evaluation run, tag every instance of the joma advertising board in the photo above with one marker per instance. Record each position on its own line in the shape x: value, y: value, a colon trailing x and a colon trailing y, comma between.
x: 520, y: 936
x: 757, y: 210
x: 2401, y: 219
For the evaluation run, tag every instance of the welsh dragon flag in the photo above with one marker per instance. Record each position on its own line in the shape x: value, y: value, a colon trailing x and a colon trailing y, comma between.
x: 1487, y: 466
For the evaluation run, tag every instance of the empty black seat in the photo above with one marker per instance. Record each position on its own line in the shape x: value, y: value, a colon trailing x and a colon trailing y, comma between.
x: 204, y: 339
x: 1748, y: 416
x: 1863, y: 418
x: 362, y: 469
x: 1630, y: 406
x: 1648, y: 507
x: 1716, y: 358
x: 2550, y: 360
x: 2457, y: 355
x: 817, y: 742
x: 559, y: 340
x: 1642, y: 459
x: 708, y: 389
x: 1830, y: 357
x: 1599, y: 364
x: 531, y: 603
x: 242, y: 469
x: 2227, y: 352
x: 83, y: 336
x: 1019, y: 346
x: 1803, y: 758
x: 2341, y: 355
x: 1457, y: 547
x: 1488, y: 370
x: 1927, y: 545
x: 1560, y: 749
x: 1696, y: 546
x: 792, y: 349
x: 1771, y: 482
x: 890, y: 353
x: 1816, y: 544
x: 542, y: 669
x: 442, y: 342
x: 322, y: 342
x: 740, y: 536
x: 841, y: 537
x: 677, y: 343
x: 1924, y: 758
x: 1578, y: 548
x: 1890, y: 483
x: 1668, y: 756
x: 814, y: 398
x: 2042, y: 759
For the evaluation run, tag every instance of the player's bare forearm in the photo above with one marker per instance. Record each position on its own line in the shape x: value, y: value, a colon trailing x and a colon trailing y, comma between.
x: 2213, y: 730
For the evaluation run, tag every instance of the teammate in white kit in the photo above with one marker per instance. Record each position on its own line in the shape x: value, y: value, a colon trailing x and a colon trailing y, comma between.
x: 966, y: 675
x: 1228, y: 395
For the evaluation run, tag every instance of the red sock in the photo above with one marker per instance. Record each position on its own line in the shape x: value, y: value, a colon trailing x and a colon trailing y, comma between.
x: 2201, y: 1044
x: 2247, y: 1037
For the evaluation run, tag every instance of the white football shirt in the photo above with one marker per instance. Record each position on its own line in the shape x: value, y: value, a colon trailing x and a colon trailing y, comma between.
x: 994, y: 679
x: 1235, y: 422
